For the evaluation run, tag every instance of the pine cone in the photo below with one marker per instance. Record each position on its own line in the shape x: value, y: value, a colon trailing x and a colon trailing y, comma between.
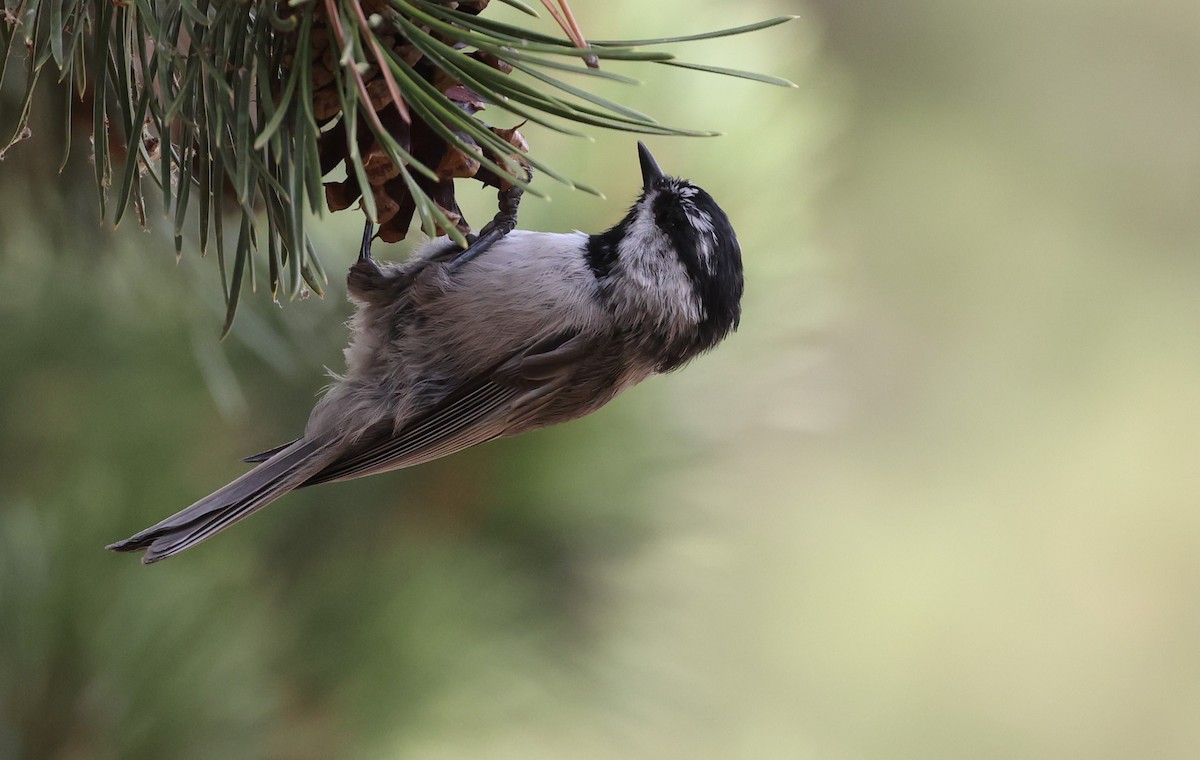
x: 394, y: 203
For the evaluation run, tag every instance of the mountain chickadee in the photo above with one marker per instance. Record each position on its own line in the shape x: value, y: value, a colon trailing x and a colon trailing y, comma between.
x: 454, y: 348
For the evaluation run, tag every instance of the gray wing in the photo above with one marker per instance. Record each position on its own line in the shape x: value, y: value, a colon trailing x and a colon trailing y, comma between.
x: 500, y: 402
x: 368, y: 281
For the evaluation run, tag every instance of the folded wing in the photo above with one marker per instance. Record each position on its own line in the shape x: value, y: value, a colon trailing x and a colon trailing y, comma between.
x: 500, y: 403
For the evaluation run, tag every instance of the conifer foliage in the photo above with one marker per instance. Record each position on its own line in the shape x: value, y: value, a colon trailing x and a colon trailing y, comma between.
x: 247, y: 115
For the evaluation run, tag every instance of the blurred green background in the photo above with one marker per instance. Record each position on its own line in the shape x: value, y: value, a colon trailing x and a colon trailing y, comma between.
x: 936, y: 499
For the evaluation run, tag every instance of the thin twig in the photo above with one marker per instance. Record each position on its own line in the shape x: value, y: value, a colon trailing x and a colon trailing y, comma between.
x: 580, y: 41
x: 566, y: 21
x: 562, y: 22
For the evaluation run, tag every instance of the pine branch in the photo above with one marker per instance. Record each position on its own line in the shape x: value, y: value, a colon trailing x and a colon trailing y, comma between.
x: 248, y: 107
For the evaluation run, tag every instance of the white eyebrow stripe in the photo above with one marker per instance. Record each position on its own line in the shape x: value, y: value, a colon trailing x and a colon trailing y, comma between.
x: 700, y: 220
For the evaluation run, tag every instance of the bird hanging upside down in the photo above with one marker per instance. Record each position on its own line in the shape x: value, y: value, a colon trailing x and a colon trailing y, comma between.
x: 519, y: 331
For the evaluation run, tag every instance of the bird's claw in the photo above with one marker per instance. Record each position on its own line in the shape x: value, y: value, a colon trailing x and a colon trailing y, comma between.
x: 492, y: 232
x: 364, y: 253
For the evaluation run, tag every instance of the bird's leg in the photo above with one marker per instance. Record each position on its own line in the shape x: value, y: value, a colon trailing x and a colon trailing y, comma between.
x: 368, y: 235
x: 504, y: 223
x: 366, y: 280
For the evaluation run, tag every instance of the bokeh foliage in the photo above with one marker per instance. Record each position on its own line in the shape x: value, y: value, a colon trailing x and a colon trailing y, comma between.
x: 937, y: 498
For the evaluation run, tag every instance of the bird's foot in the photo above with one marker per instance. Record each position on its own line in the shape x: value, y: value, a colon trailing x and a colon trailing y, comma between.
x: 368, y: 238
x: 504, y: 223
x: 365, y: 277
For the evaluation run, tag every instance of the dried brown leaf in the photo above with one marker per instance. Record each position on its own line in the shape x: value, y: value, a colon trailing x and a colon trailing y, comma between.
x: 456, y: 164
x: 341, y: 195
x: 379, y: 167
x: 385, y: 204
x: 326, y: 103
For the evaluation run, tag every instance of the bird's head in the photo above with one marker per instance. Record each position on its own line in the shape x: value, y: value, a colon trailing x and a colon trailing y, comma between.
x: 674, y: 256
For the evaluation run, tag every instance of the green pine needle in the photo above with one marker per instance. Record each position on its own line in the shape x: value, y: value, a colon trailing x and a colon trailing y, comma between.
x: 203, y: 99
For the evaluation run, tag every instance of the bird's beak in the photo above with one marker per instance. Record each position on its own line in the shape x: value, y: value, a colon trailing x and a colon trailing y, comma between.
x: 650, y: 171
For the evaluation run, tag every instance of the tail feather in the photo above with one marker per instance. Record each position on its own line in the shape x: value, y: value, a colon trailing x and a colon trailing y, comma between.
x: 285, y: 470
x: 265, y: 455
